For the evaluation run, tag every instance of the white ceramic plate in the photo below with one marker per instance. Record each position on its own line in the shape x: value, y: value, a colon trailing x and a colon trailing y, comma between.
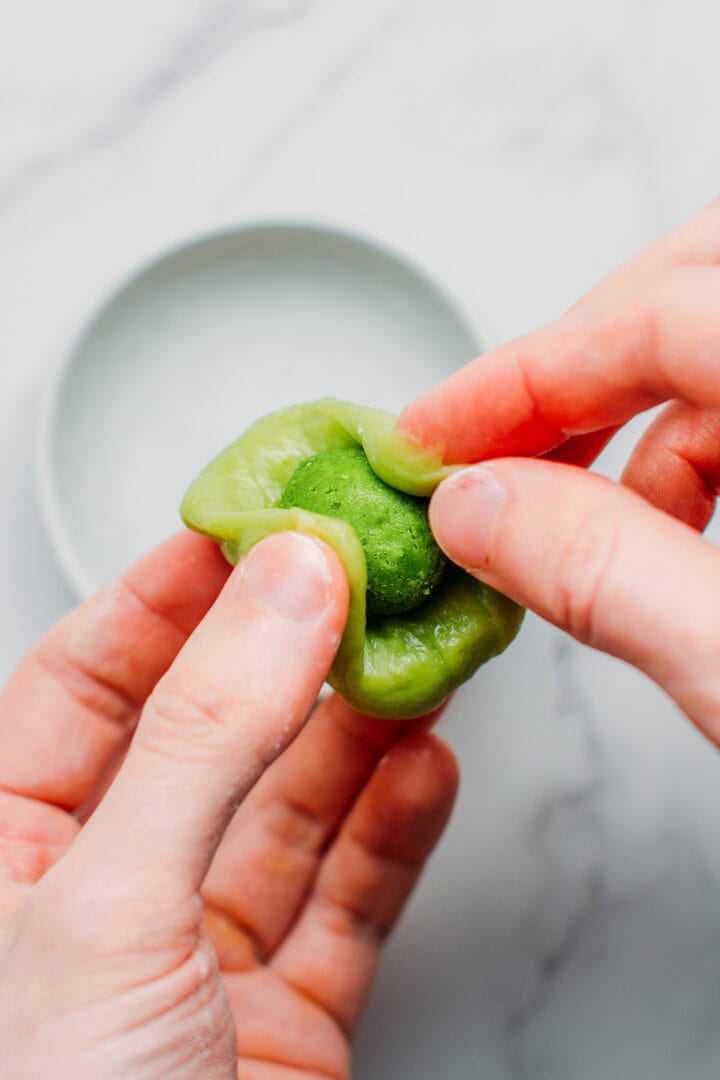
x: 202, y: 341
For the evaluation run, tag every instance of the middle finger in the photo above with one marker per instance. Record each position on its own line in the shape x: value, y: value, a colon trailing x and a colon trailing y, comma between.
x: 676, y: 464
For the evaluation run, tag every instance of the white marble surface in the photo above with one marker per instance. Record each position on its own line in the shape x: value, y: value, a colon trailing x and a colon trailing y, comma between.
x: 569, y: 927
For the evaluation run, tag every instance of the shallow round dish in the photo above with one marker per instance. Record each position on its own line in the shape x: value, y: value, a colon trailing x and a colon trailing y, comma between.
x: 204, y: 339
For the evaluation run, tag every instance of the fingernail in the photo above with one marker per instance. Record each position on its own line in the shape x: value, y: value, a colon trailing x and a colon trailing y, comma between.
x: 289, y: 574
x: 462, y: 513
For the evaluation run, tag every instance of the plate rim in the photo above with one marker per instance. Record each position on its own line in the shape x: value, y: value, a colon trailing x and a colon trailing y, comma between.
x: 60, y: 363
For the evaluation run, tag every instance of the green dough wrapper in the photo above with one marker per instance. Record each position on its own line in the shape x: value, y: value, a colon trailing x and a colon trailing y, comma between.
x: 393, y: 666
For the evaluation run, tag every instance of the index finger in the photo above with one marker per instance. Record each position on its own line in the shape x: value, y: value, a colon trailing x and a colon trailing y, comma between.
x: 595, y: 368
x: 696, y: 242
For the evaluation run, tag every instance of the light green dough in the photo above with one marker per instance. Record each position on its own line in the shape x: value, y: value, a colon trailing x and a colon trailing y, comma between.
x: 395, y: 666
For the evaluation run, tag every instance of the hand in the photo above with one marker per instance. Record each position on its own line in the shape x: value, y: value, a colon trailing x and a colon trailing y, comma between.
x: 621, y: 567
x: 111, y: 964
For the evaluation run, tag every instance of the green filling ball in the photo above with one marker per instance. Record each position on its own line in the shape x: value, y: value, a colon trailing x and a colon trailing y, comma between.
x: 404, y: 564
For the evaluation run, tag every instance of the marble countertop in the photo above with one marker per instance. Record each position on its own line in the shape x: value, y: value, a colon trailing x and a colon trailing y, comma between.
x: 567, y: 927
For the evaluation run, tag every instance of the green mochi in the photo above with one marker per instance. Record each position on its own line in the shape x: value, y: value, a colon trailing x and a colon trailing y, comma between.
x: 395, y: 666
x: 404, y: 564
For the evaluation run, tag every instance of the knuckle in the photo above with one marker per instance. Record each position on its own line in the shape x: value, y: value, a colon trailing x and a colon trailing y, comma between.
x: 583, y: 571
x: 186, y: 716
x: 526, y: 362
x: 295, y: 826
x: 342, y: 918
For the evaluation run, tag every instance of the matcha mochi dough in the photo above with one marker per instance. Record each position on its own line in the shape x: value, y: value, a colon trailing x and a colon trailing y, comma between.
x: 417, y: 627
x: 404, y: 564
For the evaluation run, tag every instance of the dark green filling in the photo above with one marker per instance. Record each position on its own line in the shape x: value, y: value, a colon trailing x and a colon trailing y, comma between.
x: 404, y: 564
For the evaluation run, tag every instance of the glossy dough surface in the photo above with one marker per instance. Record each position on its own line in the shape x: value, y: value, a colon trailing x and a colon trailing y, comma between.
x: 396, y: 666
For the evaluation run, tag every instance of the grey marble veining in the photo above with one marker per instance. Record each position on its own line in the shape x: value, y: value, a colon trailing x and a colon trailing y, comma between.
x: 215, y: 28
x: 565, y: 833
x: 350, y: 61
x: 568, y: 926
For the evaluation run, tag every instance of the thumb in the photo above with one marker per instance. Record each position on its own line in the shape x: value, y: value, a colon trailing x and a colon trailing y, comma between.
x: 596, y: 560
x: 235, y: 696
